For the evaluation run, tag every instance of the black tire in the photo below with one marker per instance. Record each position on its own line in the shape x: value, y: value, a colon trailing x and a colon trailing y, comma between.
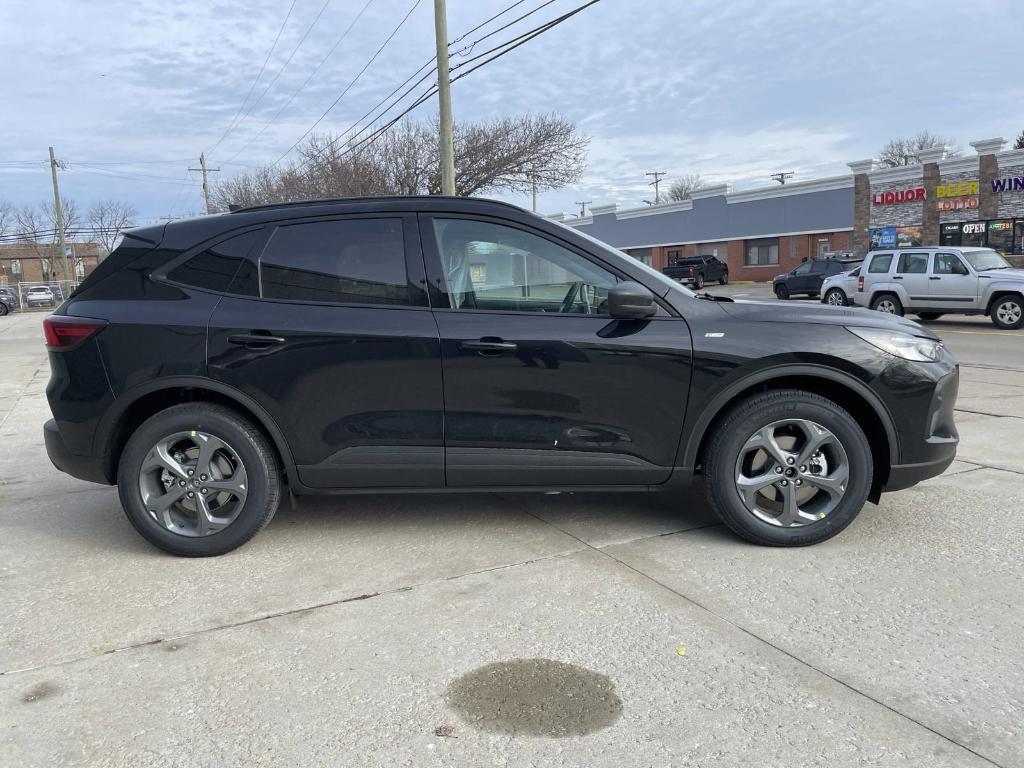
x: 758, y: 411
x: 263, y: 477
x: 698, y: 281
x: 1012, y: 304
x: 929, y: 315
x: 724, y: 279
x: 882, y: 298
x: 781, y: 292
x: 836, y: 297
x: 3, y: 309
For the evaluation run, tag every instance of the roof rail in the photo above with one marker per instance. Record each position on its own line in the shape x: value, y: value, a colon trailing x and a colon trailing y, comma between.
x: 381, y: 198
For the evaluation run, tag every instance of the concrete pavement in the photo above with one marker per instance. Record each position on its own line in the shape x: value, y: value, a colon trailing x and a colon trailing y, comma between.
x: 362, y: 631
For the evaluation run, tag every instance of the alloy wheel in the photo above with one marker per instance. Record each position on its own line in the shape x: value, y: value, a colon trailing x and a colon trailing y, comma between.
x: 835, y: 298
x: 1008, y: 313
x: 193, y: 483
x: 792, y: 473
x: 886, y: 305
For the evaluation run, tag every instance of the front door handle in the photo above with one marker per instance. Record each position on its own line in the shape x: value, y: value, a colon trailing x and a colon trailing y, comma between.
x: 897, y: 277
x: 933, y: 277
x: 255, y: 340
x: 485, y: 345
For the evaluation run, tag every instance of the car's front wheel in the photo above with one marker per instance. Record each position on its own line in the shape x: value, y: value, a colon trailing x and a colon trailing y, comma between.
x: 1008, y: 312
x: 788, y: 468
x: 3, y: 309
x: 198, y: 479
x: 836, y: 297
x: 781, y: 292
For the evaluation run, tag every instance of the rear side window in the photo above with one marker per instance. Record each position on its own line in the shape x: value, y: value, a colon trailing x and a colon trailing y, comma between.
x: 880, y: 263
x: 912, y: 264
x: 353, y: 261
x: 216, y: 267
x: 820, y: 267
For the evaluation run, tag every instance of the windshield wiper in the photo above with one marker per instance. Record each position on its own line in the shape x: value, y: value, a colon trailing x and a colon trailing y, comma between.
x: 989, y: 269
x: 712, y: 297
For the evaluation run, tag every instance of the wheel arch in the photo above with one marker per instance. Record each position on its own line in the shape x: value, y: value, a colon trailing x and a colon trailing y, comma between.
x: 138, y: 404
x: 999, y: 292
x: 855, y: 397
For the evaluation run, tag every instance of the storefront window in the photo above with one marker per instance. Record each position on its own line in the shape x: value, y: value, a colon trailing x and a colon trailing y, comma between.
x: 1000, y: 236
x: 762, y: 252
x: 641, y: 254
x: 1018, y: 237
x: 950, y: 234
x: 972, y: 234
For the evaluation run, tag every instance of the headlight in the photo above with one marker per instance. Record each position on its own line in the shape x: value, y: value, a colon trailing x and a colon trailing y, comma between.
x: 902, y: 345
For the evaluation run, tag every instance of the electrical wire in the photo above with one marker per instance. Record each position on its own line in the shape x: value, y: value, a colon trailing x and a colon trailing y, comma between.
x: 252, y: 86
x: 465, y: 49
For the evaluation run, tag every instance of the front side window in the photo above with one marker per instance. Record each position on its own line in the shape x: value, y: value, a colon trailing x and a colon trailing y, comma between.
x: 912, y: 264
x: 803, y: 269
x: 350, y: 261
x: 762, y: 252
x: 214, y: 268
x: 494, y: 267
x: 880, y: 263
x: 948, y: 264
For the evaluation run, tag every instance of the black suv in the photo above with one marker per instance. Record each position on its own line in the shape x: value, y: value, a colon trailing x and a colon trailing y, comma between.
x: 806, y: 278
x: 209, y: 366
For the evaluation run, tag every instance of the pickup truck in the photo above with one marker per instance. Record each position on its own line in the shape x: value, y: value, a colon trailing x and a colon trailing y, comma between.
x: 697, y: 270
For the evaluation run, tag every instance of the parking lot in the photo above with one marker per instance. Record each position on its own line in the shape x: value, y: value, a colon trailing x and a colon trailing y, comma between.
x: 393, y: 631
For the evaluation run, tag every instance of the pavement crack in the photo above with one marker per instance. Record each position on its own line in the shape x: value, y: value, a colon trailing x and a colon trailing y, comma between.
x: 985, y: 413
x: 754, y: 635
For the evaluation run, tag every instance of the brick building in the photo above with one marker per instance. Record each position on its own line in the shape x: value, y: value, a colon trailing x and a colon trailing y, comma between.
x: 972, y: 200
x: 39, y: 262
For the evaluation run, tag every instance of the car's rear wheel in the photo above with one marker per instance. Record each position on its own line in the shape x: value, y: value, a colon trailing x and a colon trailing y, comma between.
x: 724, y: 279
x: 1008, y: 312
x: 835, y: 297
x: 3, y: 309
x: 781, y: 292
x: 698, y: 281
x: 198, y: 479
x: 888, y: 303
x: 929, y: 315
x: 788, y: 468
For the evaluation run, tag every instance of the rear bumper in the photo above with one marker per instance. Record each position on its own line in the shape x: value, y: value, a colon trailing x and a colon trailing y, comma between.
x: 82, y: 467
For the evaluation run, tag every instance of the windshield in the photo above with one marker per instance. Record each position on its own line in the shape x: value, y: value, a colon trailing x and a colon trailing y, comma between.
x: 655, y: 275
x: 984, y: 259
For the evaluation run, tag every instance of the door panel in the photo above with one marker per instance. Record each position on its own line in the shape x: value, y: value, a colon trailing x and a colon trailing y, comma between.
x: 356, y: 389
x: 912, y: 274
x: 946, y: 287
x: 557, y: 394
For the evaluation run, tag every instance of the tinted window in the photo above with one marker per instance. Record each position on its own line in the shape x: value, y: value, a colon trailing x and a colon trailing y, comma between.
x: 948, y: 264
x: 880, y: 263
x: 358, y: 261
x: 821, y: 267
x: 214, y: 268
x: 912, y: 264
x: 803, y: 269
x: 494, y: 267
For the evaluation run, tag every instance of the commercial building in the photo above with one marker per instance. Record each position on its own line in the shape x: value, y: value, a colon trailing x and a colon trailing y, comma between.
x: 972, y: 200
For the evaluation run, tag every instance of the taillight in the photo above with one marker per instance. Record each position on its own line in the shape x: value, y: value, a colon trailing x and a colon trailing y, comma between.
x: 860, y: 284
x: 63, y: 332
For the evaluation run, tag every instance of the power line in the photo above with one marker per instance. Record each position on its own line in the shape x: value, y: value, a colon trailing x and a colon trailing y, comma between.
x: 304, y: 84
x: 469, y: 32
x: 352, y: 82
x: 252, y: 86
x: 469, y: 48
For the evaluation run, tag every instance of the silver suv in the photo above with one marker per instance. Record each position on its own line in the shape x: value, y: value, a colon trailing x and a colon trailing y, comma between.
x: 931, y: 282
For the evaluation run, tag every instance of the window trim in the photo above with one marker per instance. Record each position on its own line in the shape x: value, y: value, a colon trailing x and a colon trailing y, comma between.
x: 888, y: 268
x: 907, y: 253
x: 438, y: 282
x: 161, y: 273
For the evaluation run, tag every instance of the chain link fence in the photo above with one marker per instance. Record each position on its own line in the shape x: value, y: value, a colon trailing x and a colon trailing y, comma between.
x: 35, y: 296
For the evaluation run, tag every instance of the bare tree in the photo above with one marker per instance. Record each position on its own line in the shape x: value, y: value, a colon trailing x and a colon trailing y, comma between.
x: 30, y: 227
x: 1019, y: 143
x: 7, y: 214
x: 510, y: 154
x: 684, y: 186
x: 108, y: 218
x: 907, y: 151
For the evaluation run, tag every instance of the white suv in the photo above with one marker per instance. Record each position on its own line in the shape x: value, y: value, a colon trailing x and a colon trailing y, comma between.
x: 932, y: 281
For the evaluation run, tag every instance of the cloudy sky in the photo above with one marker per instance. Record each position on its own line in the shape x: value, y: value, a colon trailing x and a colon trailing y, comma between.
x: 130, y: 91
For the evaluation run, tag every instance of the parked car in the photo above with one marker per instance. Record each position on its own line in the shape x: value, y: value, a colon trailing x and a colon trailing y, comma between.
x: 934, y: 281
x: 39, y: 296
x: 838, y: 290
x: 698, y: 270
x: 211, y: 365
x: 8, y: 300
x: 806, y: 277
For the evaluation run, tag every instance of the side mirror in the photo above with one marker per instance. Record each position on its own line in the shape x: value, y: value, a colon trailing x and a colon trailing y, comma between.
x: 630, y: 301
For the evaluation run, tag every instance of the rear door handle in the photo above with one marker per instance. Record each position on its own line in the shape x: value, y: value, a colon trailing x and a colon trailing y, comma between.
x: 897, y: 277
x: 486, y: 345
x: 933, y: 277
x: 255, y: 339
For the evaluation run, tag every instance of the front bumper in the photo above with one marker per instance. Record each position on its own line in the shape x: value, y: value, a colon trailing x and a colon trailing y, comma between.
x: 82, y: 467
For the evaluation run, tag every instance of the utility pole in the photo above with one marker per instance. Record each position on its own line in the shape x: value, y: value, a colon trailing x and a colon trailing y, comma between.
x: 534, y: 181
x: 781, y: 176
x: 58, y: 215
x: 206, y: 187
x: 583, y: 206
x: 444, y: 98
x: 657, y: 181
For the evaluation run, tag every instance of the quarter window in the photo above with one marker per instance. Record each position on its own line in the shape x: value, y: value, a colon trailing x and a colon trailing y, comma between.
x: 493, y: 267
x: 880, y: 263
x: 912, y: 264
x: 351, y: 261
x: 214, y: 268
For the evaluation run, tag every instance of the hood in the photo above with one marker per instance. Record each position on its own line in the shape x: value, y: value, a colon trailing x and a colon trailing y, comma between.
x: 821, y: 314
x: 1014, y: 274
